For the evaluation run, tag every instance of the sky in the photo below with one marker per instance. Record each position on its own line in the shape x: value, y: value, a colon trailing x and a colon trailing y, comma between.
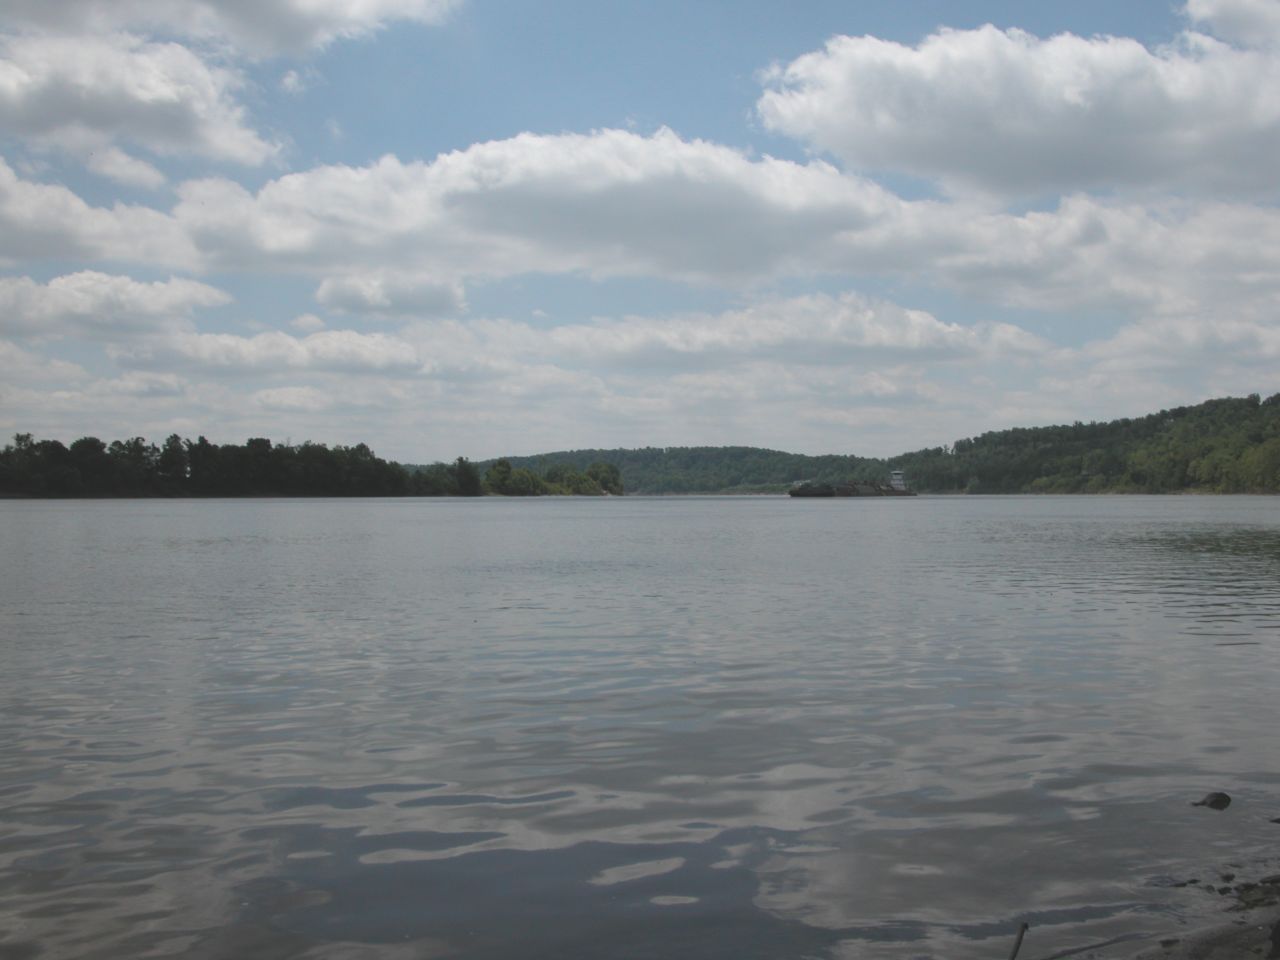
x: 477, y: 228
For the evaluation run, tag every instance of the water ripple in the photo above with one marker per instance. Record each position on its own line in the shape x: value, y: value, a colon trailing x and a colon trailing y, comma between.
x: 645, y: 728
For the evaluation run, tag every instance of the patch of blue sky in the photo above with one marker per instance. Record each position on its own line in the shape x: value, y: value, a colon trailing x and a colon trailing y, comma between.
x: 494, y: 70
x: 257, y: 305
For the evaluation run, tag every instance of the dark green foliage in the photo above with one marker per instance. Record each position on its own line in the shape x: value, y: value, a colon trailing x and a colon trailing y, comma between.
x: 94, y: 466
x: 690, y: 469
x: 677, y: 470
x: 606, y: 476
x: 1229, y: 445
x: 467, y: 477
x: 457, y: 479
x: 172, y: 466
x: 505, y: 481
x: 259, y: 468
x: 498, y: 476
x: 559, y: 479
x: 136, y: 468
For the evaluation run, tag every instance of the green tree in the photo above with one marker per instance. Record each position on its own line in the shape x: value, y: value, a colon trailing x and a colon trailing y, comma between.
x: 171, y: 465
x: 467, y: 478
x: 135, y: 466
x: 501, y: 478
x: 608, y: 476
x: 93, y: 463
x: 437, y: 480
x: 498, y: 476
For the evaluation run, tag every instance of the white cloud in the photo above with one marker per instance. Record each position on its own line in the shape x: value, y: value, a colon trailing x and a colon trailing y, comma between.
x: 1176, y: 260
x: 614, y: 203
x: 1145, y: 365
x: 99, y: 305
x: 1251, y: 23
x: 332, y: 350
x: 307, y: 323
x: 1004, y: 112
x: 85, y: 93
x: 399, y: 238
x: 1188, y: 343
x: 307, y: 399
x: 49, y: 221
x: 390, y: 295
x: 114, y: 164
x: 136, y: 383
x: 606, y: 203
x: 24, y: 366
x: 260, y: 27
x: 816, y: 331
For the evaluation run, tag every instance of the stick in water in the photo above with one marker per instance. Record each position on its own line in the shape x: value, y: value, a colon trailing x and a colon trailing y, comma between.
x: 1017, y: 944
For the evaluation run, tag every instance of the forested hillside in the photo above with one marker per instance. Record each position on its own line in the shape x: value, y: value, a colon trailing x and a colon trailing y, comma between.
x: 703, y: 469
x: 1229, y: 445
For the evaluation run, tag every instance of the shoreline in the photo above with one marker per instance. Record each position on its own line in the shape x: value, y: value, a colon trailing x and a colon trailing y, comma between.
x: 1247, y: 928
x: 1254, y: 935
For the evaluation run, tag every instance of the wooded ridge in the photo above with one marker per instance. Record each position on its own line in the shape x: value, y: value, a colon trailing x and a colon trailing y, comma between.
x: 1228, y: 445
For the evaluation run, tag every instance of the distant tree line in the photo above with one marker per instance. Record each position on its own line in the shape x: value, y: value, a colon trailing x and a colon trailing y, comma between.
x: 1229, y: 445
x: 90, y: 467
x: 596, y: 479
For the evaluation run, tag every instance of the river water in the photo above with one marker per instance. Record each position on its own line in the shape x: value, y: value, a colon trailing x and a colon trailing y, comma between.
x: 640, y: 728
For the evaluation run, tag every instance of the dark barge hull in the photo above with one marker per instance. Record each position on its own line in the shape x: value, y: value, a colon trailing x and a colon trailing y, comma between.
x: 847, y: 490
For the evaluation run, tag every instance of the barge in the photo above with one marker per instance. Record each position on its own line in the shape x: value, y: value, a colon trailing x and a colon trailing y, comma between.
x: 896, y: 487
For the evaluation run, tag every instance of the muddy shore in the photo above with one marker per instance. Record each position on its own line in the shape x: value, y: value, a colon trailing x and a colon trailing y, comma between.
x: 1249, y: 928
x: 1253, y: 935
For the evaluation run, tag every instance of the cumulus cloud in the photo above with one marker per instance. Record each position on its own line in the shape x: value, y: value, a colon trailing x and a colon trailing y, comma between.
x: 85, y: 93
x: 386, y: 294
x: 292, y: 82
x: 307, y: 323
x: 989, y: 114
x: 136, y: 383
x: 400, y: 239
x: 1178, y: 259
x: 307, y: 399
x: 1149, y: 363
x: 815, y: 330
x: 1250, y: 23
x: 605, y: 203
x: 114, y: 164
x: 40, y: 220
x: 261, y: 27
x: 329, y: 350
x: 99, y: 305
x: 1186, y: 342
x: 614, y: 203
x: 809, y: 332
x: 1006, y: 113
x: 27, y: 367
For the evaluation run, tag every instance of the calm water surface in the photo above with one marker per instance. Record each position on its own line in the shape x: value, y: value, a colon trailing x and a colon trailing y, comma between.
x: 639, y: 728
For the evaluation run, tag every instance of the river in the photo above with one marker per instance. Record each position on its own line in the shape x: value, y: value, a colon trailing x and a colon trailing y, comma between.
x: 631, y: 727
